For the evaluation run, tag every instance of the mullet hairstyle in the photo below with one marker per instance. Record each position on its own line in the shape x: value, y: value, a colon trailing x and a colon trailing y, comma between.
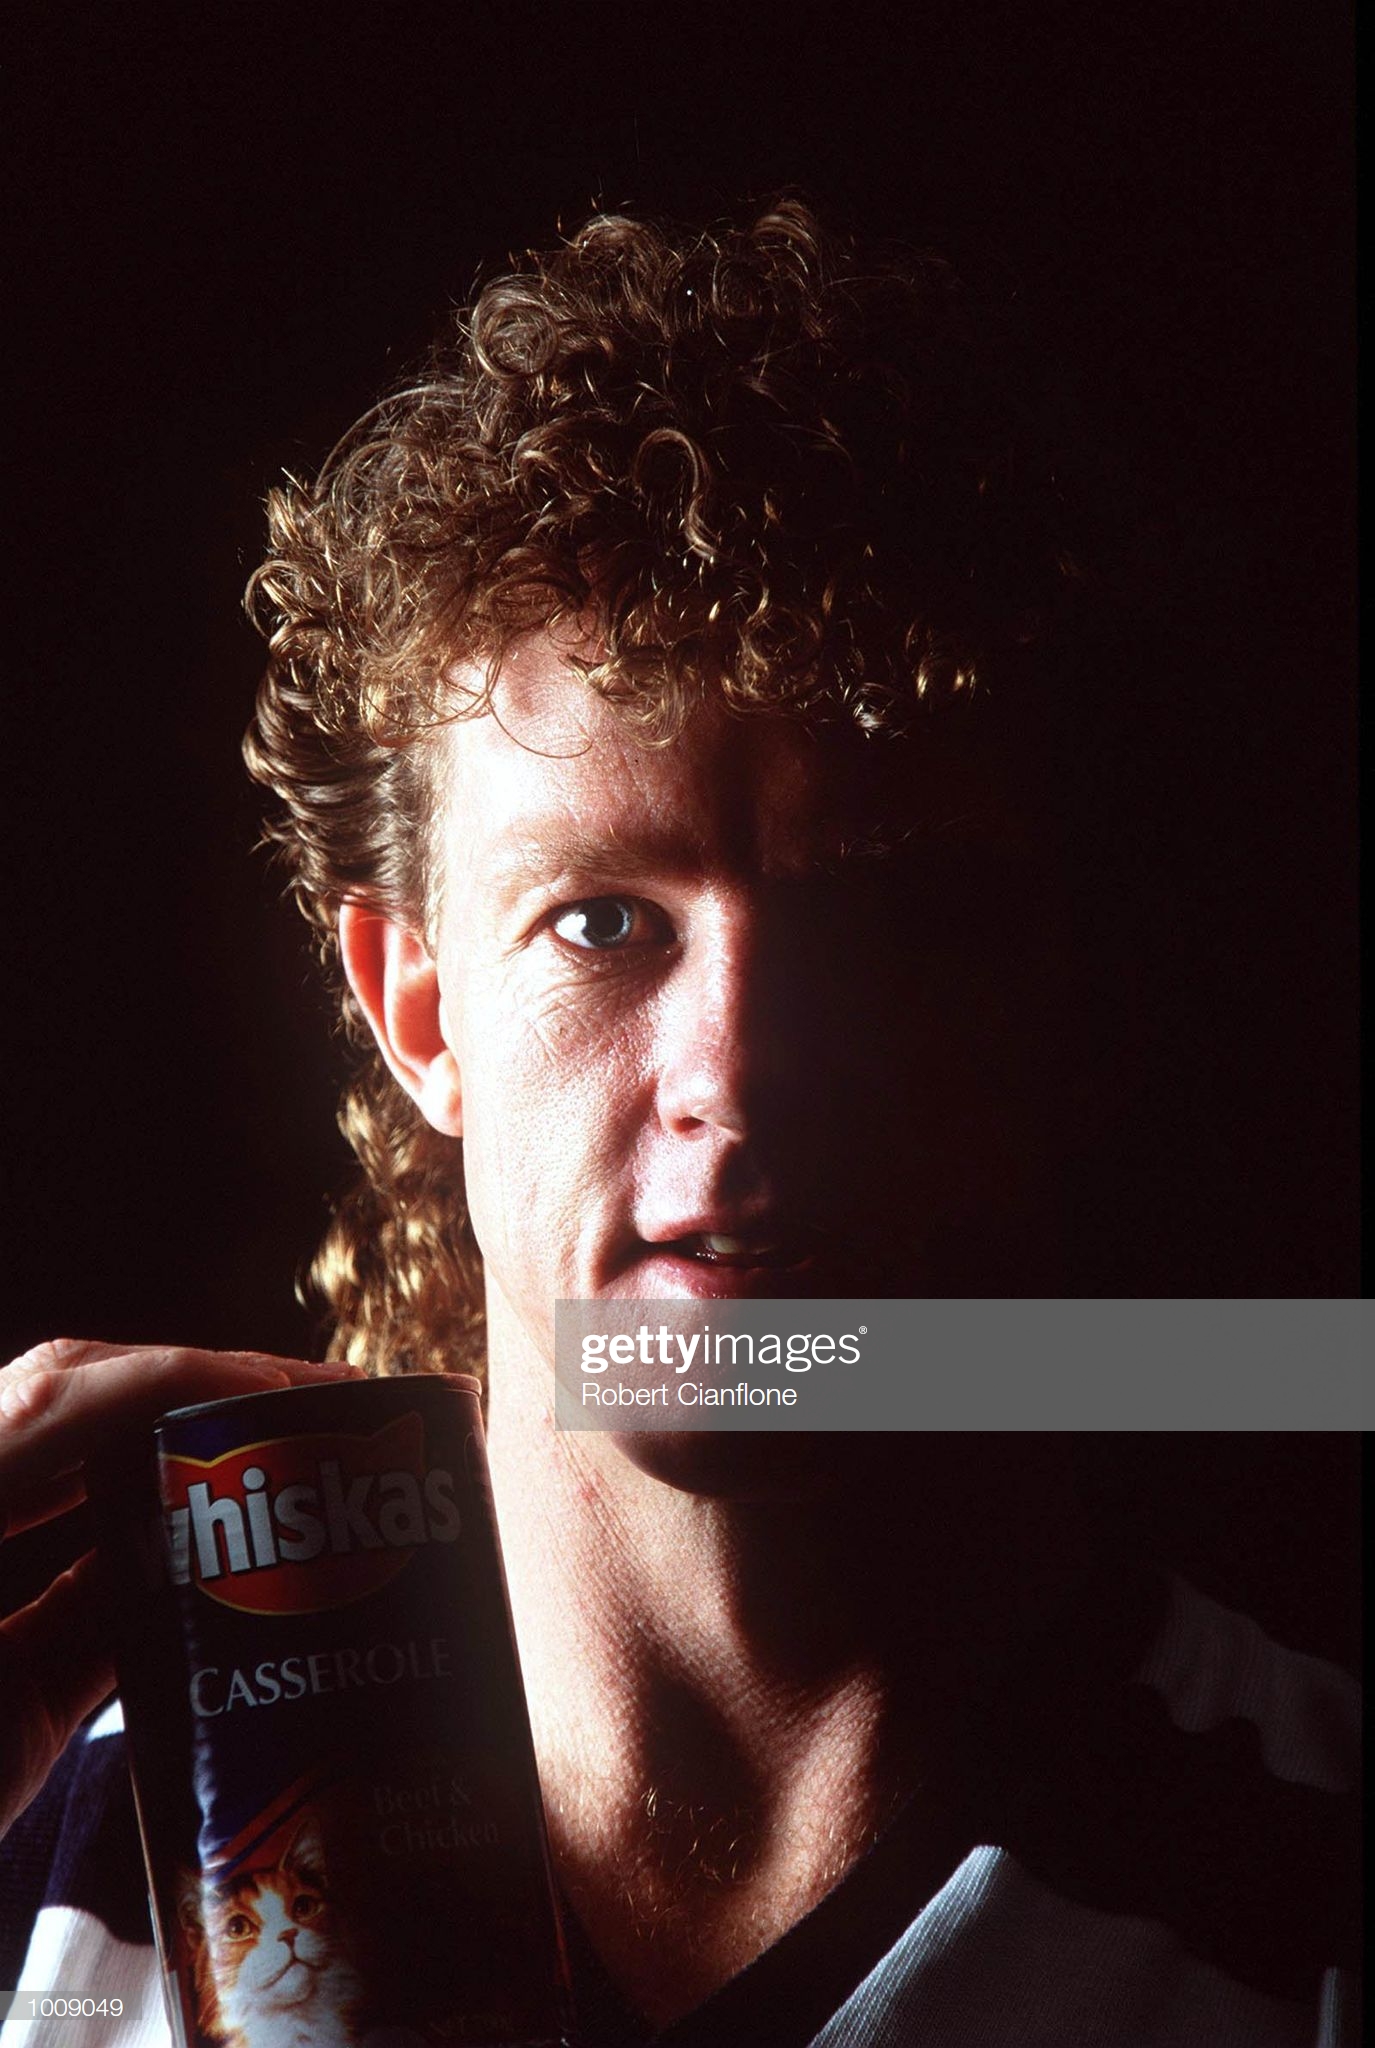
x: 776, y: 470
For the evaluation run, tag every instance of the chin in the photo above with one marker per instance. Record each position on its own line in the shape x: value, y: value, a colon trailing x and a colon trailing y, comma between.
x: 739, y: 1465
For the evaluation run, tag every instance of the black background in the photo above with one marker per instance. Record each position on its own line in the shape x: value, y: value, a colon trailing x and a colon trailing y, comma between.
x: 231, y: 226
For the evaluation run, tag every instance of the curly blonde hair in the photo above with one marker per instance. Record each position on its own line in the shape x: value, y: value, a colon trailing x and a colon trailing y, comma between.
x: 772, y: 469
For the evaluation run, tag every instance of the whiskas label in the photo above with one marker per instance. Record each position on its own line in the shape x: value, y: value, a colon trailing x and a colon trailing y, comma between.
x: 302, y: 1523
x: 326, y: 1724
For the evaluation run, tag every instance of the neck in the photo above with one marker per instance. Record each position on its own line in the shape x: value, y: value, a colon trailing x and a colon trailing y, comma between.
x: 737, y: 1675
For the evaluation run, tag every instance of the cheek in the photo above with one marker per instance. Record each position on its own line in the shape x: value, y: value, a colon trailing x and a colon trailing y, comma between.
x: 250, y: 1969
x: 312, y: 1945
x: 552, y: 1095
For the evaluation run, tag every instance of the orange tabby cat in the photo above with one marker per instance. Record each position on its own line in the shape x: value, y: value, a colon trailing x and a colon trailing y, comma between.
x: 270, y: 1955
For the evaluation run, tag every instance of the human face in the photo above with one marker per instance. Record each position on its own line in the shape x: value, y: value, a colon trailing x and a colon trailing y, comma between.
x: 747, y: 1015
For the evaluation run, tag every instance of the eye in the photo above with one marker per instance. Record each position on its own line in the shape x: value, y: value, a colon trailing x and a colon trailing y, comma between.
x: 608, y: 924
x: 304, y: 1905
x: 239, y: 1927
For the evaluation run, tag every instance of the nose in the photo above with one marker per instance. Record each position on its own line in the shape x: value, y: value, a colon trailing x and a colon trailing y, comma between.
x: 716, y: 1034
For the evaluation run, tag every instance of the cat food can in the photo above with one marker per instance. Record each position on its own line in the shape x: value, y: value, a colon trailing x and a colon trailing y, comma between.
x: 328, y: 1737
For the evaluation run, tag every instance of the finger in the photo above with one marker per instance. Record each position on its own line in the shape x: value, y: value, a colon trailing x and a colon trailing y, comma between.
x: 57, y: 1666
x: 55, y: 1497
x: 61, y: 1402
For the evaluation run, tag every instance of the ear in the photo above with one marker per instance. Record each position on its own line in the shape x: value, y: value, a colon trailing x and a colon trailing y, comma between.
x: 396, y: 982
x: 191, y: 1914
x: 305, y: 1853
x: 306, y: 1840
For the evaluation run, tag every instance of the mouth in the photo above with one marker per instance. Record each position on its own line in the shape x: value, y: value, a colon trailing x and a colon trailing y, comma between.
x: 292, y: 1963
x: 719, y: 1248
x: 764, y: 1257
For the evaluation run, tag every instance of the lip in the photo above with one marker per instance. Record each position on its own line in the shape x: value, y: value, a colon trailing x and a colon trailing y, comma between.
x: 781, y: 1257
x: 778, y: 1247
x: 762, y: 1222
x: 293, y: 1962
x: 663, y: 1273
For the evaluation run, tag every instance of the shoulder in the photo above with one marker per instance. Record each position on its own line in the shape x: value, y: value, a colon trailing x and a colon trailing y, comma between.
x: 1169, y: 1852
x: 1210, y: 1666
x: 1213, y: 1793
x: 1230, y: 1835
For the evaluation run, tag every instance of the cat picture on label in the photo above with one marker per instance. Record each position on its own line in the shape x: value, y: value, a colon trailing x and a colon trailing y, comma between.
x: 270, y: 1953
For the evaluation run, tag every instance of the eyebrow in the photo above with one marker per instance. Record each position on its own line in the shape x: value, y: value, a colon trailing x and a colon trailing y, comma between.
x: 888, y: 838
x: 567, y: 850
x: 879, y: 841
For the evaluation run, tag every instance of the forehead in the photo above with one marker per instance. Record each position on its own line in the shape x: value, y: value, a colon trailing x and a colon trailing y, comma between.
x: 551, y: 769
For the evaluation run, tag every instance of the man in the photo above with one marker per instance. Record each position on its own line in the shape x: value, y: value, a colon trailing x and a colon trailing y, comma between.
x: 667, y: 765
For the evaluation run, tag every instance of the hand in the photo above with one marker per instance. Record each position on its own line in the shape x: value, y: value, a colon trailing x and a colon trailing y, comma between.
x: 60, y: 1403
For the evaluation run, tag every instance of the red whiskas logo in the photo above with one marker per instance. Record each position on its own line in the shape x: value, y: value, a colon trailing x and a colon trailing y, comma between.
x: 305, y: 1522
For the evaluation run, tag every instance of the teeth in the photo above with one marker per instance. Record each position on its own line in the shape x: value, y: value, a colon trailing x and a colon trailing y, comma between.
x: 730, y: 1247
